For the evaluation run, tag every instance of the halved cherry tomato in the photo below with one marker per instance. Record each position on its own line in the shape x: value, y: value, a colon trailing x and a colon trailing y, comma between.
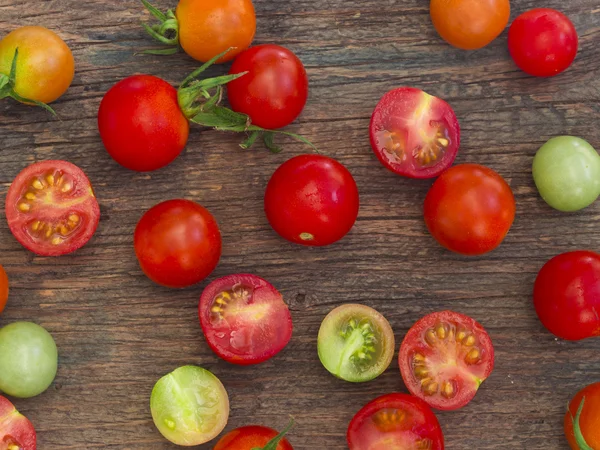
x: 395, y: 421
x: 16, y: 431
x: 581, y: 420
x: 3, y: 288
x: 444, y: 358
x: 414, y: 134
x: 244, y: 319
x: 51, y: 208
x: 254, y: 438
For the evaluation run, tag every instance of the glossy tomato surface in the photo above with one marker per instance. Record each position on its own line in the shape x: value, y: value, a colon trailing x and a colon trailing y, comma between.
x: 395, y: 421
x: 251, y: 438
x: 469, y: 24
x: 244, y: 319
x: 414, y: 134
x: 543, y: 42
x: 469, y: 209
x: 16, y: 431
x: 177, y: 243
x: 312, y: 200
x: 3, y: 288
x: 581, y: 421
x: 444, y: 358
x: 209, y: 27
x: 275, y: 89
x: 141, y: 124
x: 566, y: 295
x: 51, y: 208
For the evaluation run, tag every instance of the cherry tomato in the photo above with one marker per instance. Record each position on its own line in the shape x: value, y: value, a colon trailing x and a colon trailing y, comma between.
x: 566, y: 295
x: 444, y: 358
x: 395, y: 421
x: 581, y: 420
x: 254, y: 438
x: 543, y: 42
x: 469, y: 209
x: 469, y: 24
x: 244, y: 319
x: 414, y: 134
x: 45, y: 65
x: 312, y: 200
x: 177, y: 243
x: 275, y: 89
x: 16, y: 431
x: 3, y: 289
x: 141, y: 123
x: 51, y: 208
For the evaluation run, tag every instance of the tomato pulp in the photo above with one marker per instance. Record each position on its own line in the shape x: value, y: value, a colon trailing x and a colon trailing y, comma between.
x: 16, y: 431
x: 581, y: 420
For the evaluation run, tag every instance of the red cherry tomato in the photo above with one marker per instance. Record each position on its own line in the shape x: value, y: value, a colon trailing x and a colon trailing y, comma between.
x: 414, y: 134
x: 252, y: 438
x: 274, y: 91
x: 444, y: 358
x: 51, y: 208
x: 566, y: 295
x: 16, y: 431
x: 141, y: 123
x: 395, y: 421
x: 244, y: 319
x: 178, y: 243
x: 581, y: 420
x: 312, y: 200
x: 3, y: 289
x: 543, y: 42
x: 469, y: 209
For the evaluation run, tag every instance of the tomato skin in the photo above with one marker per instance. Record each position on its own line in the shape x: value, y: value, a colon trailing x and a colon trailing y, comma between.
x: 312, y: 200
x: 588, y: 421
x: 141, y: 123
x: 250, y: 437
x: 45, y: 65
x: 275, y: 89
x: 3, y: 289
x: 209, y: 27
x: 177, y: 243
x: 566, y: 295
x: 469, y: 209
x: 469, y: 24
x: 15, y: 428
x: 543, y: 42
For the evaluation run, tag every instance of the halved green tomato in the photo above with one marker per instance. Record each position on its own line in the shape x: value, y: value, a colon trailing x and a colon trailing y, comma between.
x: 189, y: 406
x: 355, y: 343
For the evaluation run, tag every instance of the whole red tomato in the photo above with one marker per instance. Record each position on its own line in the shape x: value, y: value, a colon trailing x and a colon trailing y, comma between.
x: 274, y: 91
x: 566, y: 295
x: 254, y: 438
x: 178, y: 243
x: 141, y: 123
x: 469, y: 209
x: 581, y: 420
x: 312, y: 200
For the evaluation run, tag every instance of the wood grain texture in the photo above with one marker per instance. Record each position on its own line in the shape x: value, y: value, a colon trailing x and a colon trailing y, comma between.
x: 118, y: 333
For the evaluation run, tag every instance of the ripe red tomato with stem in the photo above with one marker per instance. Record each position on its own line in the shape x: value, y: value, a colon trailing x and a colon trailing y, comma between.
x: 312, y: 200
x: 469, y: 209
x: 244, y: 319
x: 581, y: 421
x: 566, y: 295
x: 16, y: 431
x: 395, y: 421
x: 444, y: 358
x: 255, y: 438
x: 177, y: 243
x: 414, y: 134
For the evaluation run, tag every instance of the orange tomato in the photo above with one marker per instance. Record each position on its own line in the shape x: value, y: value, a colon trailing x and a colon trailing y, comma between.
x: 209, y: 27
x: 45, y: 64
x: 469, y: 24
x: 582, y: 428
x: 3, y: 288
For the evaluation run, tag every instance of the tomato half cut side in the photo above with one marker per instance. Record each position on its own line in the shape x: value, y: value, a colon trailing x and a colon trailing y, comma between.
x: 244, y: 319
x: 16, y: 431
x: 414, y: 134
x: 395, y: 422
x: 444, y: 358
x: 51, y: 208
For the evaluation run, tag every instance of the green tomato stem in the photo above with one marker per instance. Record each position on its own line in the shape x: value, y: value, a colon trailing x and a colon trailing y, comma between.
x: 166, y: 31
x: 583, y: 445
x: 273, y: 443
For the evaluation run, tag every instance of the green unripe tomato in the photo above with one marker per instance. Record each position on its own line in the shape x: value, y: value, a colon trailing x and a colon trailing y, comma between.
x: 566, y: 171
x: 28, y: 359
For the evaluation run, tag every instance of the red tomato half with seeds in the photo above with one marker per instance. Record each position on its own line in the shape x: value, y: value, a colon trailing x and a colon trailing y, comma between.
x: 444, y: 358
x: 51, y: 208
x: 244, y: 319
x: 312, y: 200
x: 141, y: 123
x: 395, y: 421
x: 16, y: 431
x: 252, y: 438
x: 414, y: 134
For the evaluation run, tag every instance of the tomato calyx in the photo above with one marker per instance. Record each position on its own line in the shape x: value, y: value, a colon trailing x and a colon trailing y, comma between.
x: 579, y: 438
x: 165, y: 32
x: 7, y: 87
x: 273, y: 443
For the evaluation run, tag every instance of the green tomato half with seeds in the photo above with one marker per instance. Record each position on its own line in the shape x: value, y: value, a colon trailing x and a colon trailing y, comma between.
x: 566, y: 171
x: 355, y: 343
x: 189, y: 406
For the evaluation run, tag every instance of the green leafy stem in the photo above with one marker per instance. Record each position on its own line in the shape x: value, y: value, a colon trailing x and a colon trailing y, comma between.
x: 273, y: 443
x: 583, y: 445
x: 165, y: 32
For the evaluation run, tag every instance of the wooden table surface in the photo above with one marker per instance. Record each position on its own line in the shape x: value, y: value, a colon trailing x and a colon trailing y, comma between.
x: 117, y: 332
